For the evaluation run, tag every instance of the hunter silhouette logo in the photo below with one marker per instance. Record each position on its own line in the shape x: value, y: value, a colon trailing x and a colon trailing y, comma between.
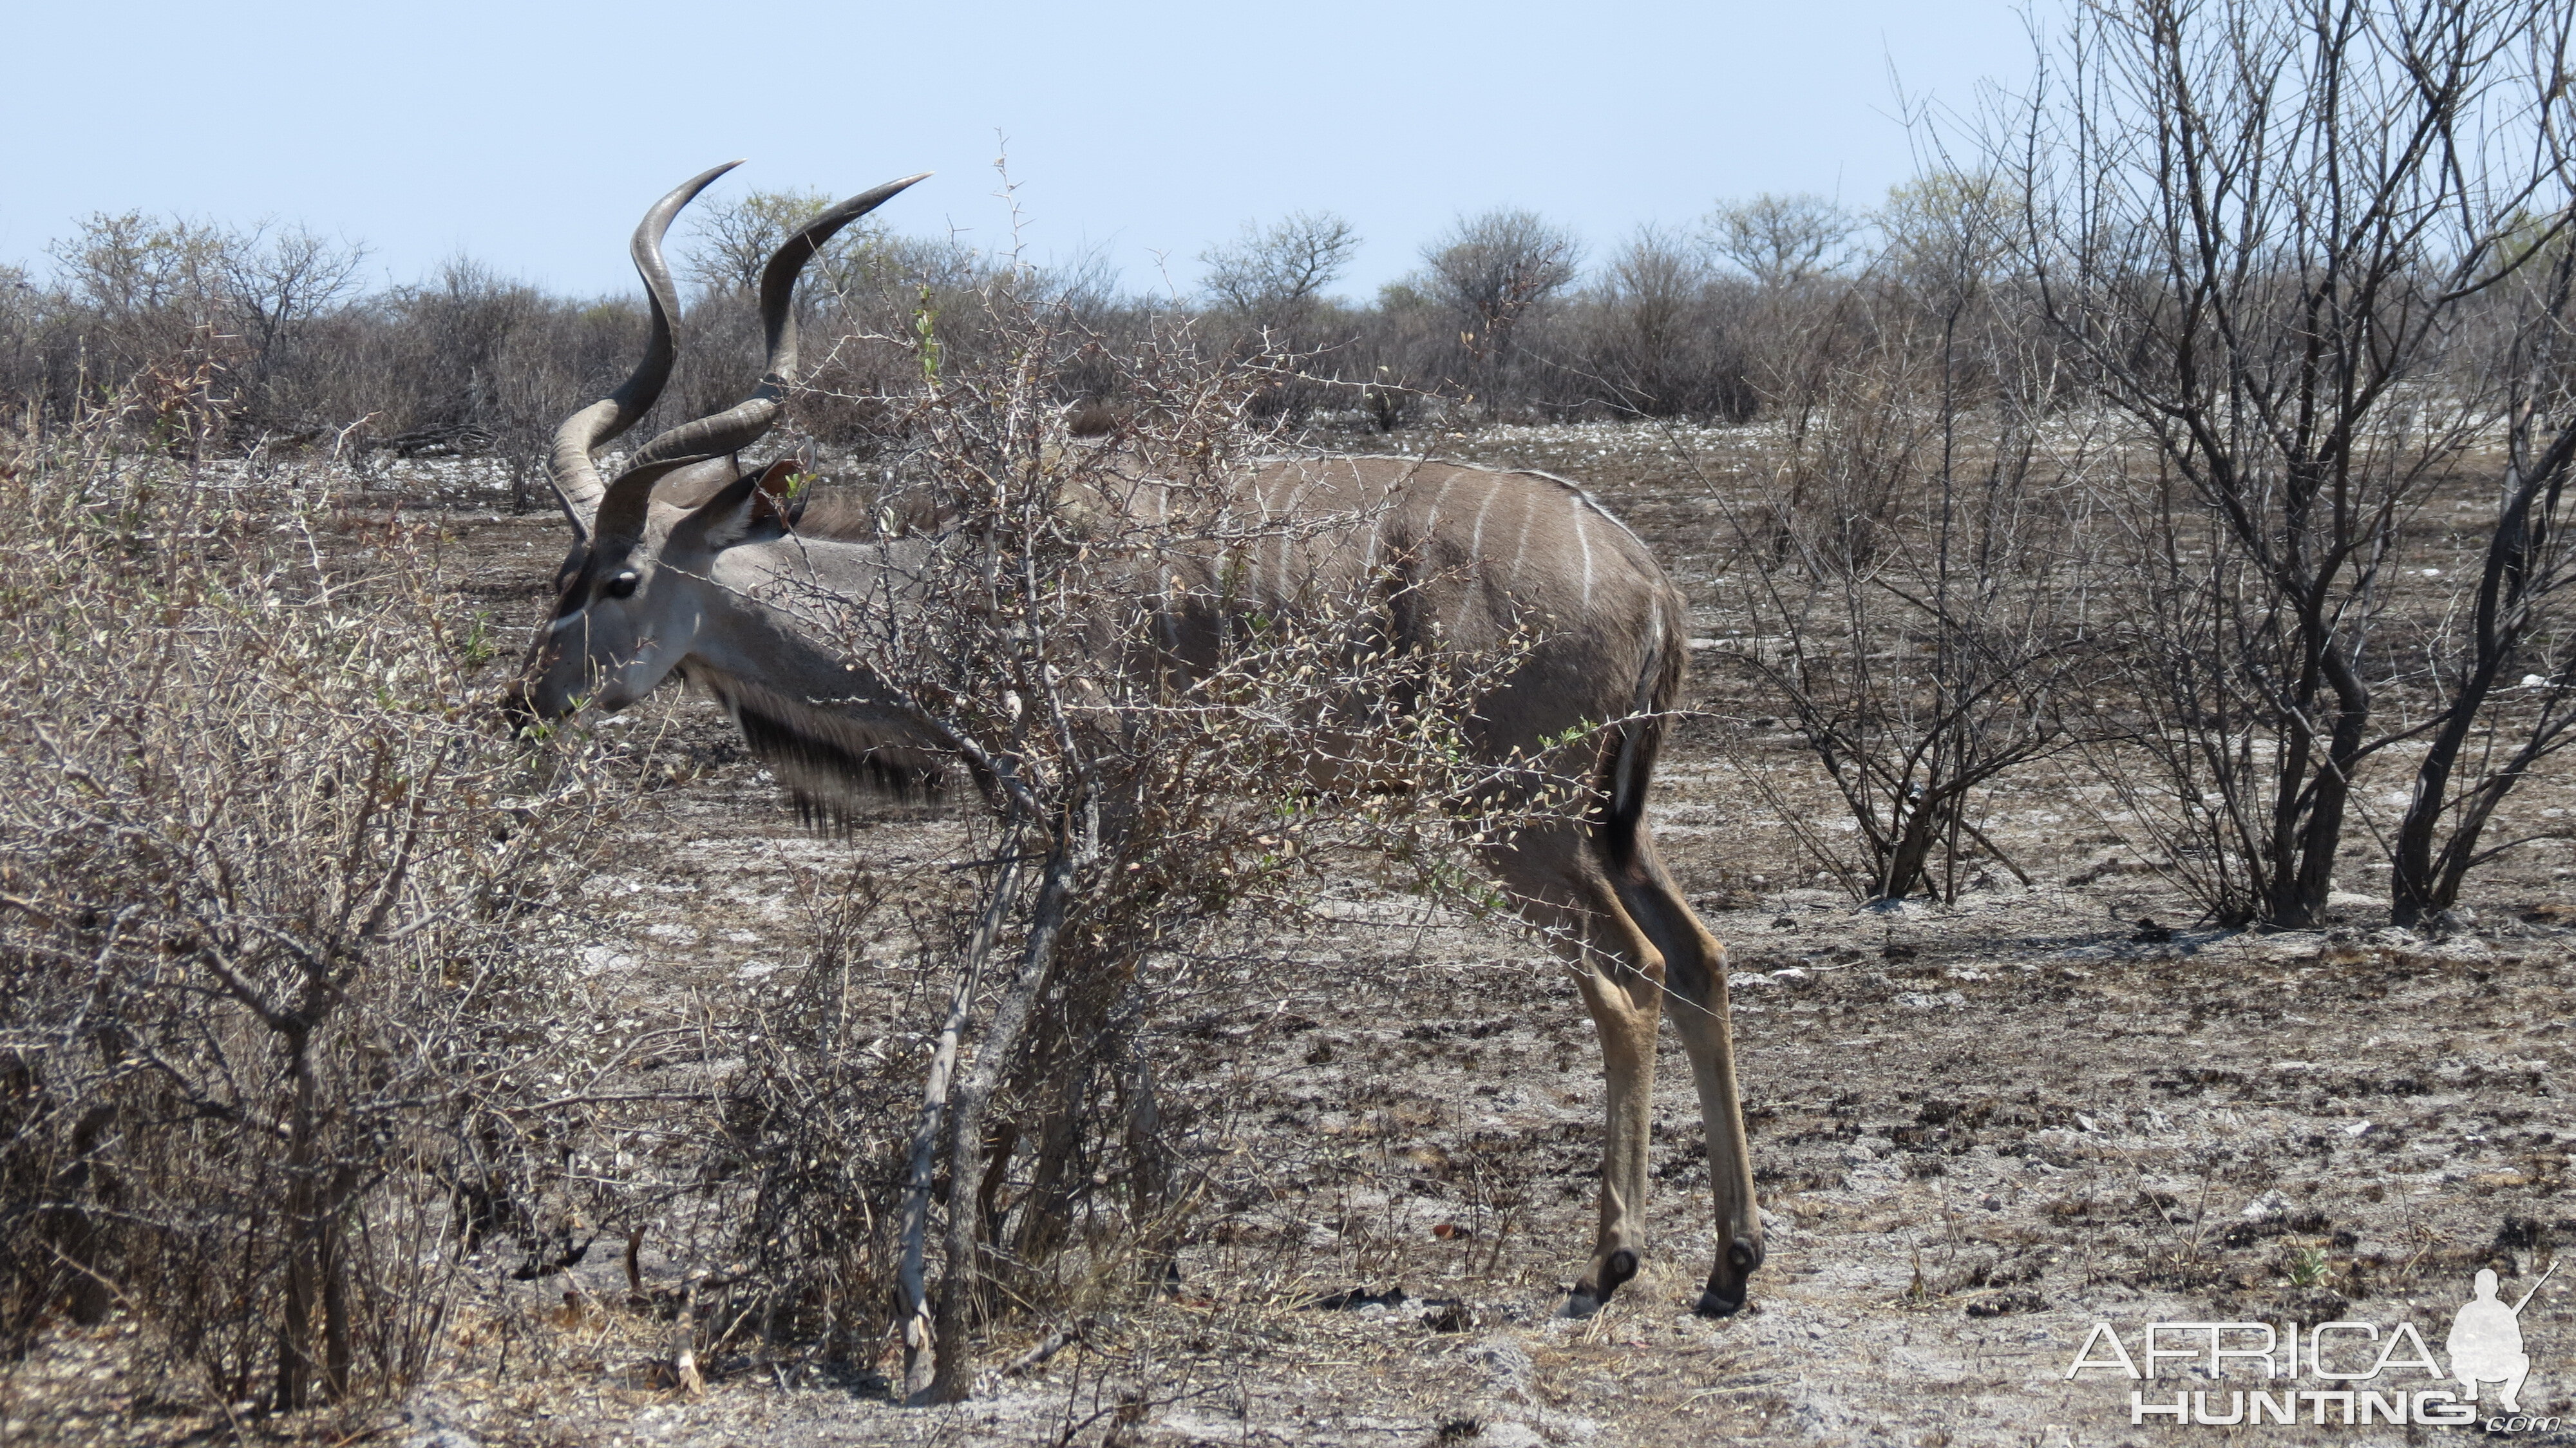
x: 2486, y: 1339
x: 2345, y: 1373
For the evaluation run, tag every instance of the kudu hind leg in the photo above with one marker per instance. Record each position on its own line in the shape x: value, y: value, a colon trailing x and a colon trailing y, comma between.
x: 1695, y: 975
x: 1621, y: 977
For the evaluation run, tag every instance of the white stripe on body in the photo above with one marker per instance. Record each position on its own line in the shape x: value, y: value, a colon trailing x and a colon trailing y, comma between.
x: 1476, y: 538
x: 1585, y: 541
x: 1431, y: 523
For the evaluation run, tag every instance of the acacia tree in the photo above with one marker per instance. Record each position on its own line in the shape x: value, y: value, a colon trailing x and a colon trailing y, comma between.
x: 1493, y: 271
x: 2259, y: 233
x: 736, y: 238
x: 1272, y: 276
x: 1267, y: 293
x: 1781, y: 241
x: 280, y: 281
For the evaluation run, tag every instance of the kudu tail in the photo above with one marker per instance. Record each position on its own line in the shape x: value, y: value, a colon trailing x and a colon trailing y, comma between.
x: 1628, y: 753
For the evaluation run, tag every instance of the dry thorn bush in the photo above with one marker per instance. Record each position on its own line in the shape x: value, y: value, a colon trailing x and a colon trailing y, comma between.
x: 1158, y: 747
x: 277, y: 911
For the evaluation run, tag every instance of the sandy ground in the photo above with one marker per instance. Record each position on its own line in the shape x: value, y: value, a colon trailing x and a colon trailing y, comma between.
x: 1980, y: 1131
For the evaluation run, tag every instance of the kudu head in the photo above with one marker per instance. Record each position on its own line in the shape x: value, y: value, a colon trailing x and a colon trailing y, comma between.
x: 632, y: 591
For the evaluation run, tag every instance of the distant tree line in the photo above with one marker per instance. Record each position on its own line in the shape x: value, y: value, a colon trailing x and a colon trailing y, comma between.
x: 238, y: 337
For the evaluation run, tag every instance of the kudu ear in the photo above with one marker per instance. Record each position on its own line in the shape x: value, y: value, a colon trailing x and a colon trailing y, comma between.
x: 775, y: 494
x: 749, y: 503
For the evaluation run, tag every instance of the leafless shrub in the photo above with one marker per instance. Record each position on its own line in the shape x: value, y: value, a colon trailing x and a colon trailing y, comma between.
x: 1661, y: 333
x: 2498, y: 661
x: 1400, y: 357
x: 812, y: 1121
x: 273, y: 910
x: 1921, y: 673
x: 1918, y: 595
x: 283, y: 283
x: 141, y: 296
x: 147, y: 278
x: 2261, y: 235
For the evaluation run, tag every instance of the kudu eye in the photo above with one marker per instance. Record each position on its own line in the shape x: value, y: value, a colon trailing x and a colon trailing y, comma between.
x: 621, y: 586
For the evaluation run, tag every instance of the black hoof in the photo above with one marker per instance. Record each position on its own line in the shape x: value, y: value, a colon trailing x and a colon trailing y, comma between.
x: 1732, y: 1281
x: 1711, y: 1304
x: 1609, y: 1277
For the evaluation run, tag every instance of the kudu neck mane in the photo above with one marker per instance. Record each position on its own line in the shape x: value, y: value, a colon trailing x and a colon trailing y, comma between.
x: 828, y: 761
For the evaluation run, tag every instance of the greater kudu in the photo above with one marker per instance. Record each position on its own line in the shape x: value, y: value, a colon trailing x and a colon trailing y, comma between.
x: 653, y: 585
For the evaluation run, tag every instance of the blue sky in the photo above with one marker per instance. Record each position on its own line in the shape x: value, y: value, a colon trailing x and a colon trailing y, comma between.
x: 531, y: 135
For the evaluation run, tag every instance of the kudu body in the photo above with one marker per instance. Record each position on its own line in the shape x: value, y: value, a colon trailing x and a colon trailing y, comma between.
x: 725, y: 589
